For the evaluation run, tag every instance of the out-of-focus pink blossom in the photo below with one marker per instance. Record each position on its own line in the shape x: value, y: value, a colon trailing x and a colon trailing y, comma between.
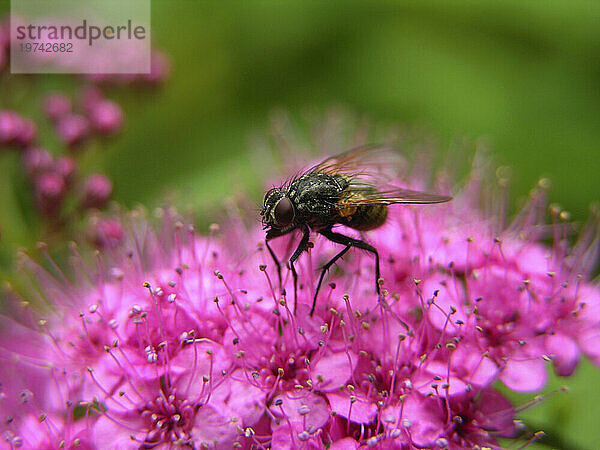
x: 28, y: 133
x: 37, y: 413
x: 73, y: 129
x: 96, y: 191
x: 66, y: 167
x: 56, y: 106
x: 16, y: 130
x: 106, y: 233
x: 36, y: 160
x: 90, y: 96
x: 50, y: 190
x: 10, y: 127
x: 106, y: 117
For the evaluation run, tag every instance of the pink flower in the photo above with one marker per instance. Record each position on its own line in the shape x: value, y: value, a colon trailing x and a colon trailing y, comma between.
x: 106, y: 117
x: 66, y: 167
x: 179, y: 339
x: 37, y: 392
x: 146, y: 348
x: 56, y: 106
x: 10, y: 127
x: 73, y: 129
x: 96, y: 191
x: 16, y: 130
x: 106, y: 232
x: 50, y: 190
x: 36, y: 160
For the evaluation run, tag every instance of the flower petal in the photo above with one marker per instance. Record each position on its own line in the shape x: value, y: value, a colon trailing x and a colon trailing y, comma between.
x: 333, y: 370
x: 523, y: 376
x: 565, y: 353
x: 359, y: 411
x: 344, y: 444
x: 312, y: 410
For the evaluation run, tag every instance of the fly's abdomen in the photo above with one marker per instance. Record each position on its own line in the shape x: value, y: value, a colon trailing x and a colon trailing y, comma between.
x: 368, y: 217
x: 360, y: 216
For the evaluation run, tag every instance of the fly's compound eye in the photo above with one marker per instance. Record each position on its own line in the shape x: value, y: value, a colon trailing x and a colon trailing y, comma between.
x: 284, y: 212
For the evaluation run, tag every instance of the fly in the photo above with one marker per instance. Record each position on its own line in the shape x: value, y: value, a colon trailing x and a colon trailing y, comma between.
x: 341, y: 190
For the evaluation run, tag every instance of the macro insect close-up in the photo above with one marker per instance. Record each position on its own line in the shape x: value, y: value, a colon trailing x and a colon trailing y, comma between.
x: 346, y: 189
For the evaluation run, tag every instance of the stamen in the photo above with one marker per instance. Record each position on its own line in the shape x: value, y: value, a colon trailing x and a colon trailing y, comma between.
x: 158, y: 311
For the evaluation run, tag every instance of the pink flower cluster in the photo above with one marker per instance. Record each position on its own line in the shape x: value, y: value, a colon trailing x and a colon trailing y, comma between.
x: 99, y: 116
x: 54, y: 178
x: 61, y: 195
x: 181, y: 340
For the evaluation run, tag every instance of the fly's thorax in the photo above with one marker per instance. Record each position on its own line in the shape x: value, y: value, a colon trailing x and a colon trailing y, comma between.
x: 314, y: 196
x: 315, y: 190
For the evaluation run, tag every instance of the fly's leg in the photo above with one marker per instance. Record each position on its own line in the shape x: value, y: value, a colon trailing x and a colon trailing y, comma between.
x: 323, y: 271
x: 348, y: 242
x: 276, y: 261
x: 301, y: 247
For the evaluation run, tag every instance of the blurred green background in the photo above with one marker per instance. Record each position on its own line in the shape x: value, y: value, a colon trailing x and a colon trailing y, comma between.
x: 524, y: 75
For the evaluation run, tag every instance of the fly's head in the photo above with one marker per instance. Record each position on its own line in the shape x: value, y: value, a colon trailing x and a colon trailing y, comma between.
x: 278, y: 213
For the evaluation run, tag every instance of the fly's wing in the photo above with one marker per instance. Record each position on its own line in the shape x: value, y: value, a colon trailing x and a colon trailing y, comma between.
x: 369, y: 169
x: 366, y: 194
x: 373, y: 164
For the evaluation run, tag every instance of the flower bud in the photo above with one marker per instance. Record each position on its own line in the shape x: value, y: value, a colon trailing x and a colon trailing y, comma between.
x: 106, y: 117
x: 90, y: 97
x: 56, y: 106
x: 66, y: 167
x: 49, y: 193
x: 72, y: 129
x: 15, y: 129
x: 10, y: 127
x: 36, y: 160
x: 106, y: 233
x: 96, y: 191
x: 27, y: 135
